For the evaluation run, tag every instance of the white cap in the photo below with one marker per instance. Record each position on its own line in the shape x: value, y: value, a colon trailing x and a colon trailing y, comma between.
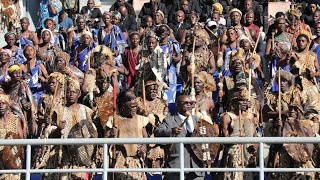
x: 211, y: 23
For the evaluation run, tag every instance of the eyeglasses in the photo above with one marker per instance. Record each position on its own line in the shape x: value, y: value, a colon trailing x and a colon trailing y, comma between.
x: 187, y: 102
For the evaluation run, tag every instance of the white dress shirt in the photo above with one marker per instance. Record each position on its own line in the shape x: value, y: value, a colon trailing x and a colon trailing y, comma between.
x: 189, y: 121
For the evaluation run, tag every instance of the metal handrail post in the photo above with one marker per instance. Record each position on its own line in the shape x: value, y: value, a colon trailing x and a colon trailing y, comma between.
x: 261, y: 161
x: 181, y: 161
x: 28, y: 162
x: 105, y: 161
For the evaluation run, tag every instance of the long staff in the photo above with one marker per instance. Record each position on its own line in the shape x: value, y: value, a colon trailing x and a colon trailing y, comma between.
x: 46, y: 149
x: 279, y: 100
x: 63, y: 134
x: 192, y: 63
x: 256, y: 44
x: 240, y: 132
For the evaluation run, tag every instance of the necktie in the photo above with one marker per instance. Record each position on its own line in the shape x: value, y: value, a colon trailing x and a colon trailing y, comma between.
x: 188, y: 127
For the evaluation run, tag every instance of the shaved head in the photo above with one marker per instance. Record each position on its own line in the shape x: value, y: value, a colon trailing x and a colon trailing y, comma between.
x: 123, y: 11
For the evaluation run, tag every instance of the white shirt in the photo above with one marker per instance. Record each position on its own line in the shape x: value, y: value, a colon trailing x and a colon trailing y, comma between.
x: 189, y: 121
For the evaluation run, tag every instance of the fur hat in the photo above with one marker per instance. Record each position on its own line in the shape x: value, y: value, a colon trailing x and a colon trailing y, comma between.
x: 237, y: 55
x: 65, y: 56
x: 287, y: 76
x: 202, y: 34
x: 58, y: 76
x: 207, y: 79
x: 5, y: 98
x: 73, y: 84
x: 295, y: 11
x: 241, y: 94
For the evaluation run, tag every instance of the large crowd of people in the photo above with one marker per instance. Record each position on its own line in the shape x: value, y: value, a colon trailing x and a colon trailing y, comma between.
x: 191, y: 68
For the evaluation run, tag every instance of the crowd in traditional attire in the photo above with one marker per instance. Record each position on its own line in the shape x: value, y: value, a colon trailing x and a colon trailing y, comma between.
x: 189, y: 69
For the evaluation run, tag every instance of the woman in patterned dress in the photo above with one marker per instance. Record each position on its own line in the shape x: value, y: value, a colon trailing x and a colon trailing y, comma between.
x: 84, y: 51
x: 46, y: 51
x: 27, y: 36
x: 35, y: 72
x: 17, y: 56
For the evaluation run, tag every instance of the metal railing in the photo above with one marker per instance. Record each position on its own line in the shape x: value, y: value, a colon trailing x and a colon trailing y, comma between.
x: 190, y: 140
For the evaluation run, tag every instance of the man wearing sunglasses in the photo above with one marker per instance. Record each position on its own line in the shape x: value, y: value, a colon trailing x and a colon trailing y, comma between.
x: 180, y: 125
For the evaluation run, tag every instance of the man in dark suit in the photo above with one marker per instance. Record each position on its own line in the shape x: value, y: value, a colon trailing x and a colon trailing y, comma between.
x: 188, y: 6
x: 179, y: 25
x: 93, y: 14
x: 151, y: 7
x: 254, y: 6
x: 115, y: 7
x: 170, y: 127
x: 127, y: 20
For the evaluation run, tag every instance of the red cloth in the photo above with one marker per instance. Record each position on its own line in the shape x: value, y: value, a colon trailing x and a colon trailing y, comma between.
x: 254, y: 27
x: 86, y: 176
x: 131, y: 59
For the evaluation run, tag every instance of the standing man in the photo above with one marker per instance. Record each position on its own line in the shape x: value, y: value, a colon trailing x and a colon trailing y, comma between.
x: 180, y: 125
x: 127, y: 124
x: 93, y: 14
x: 238, y: 122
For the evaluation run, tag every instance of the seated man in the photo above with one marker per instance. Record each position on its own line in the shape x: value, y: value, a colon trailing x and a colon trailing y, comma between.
x: 93, y: 14
x: 250, y: 5
x: 115, y: 7
x: 127, y: 20
x: 151, y: 7
x: 66, y: 27
x: 179, y: 25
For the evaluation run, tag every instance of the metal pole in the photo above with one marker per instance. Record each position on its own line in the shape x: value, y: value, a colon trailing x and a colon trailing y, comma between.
x: 28, y: 162
x: 181, y: 161
x: 105, y: 161
x: 261, y: 161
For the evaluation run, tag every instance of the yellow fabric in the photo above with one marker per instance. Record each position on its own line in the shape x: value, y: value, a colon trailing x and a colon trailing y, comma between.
x: 218, y: 6
x: 13, y: 68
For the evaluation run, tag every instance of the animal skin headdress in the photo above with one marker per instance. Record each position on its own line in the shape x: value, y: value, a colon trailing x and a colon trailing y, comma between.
x: 241, y: 94
x: 202, y: 34
x: 65, y: 56
x: 58, y: 76
x: 237, y: 55
x: 295, y: 11
x: 73, y: 84
x: 105, y: 51
x: 287, y: 76
x: 207, y: 80
x: 5, y: 98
